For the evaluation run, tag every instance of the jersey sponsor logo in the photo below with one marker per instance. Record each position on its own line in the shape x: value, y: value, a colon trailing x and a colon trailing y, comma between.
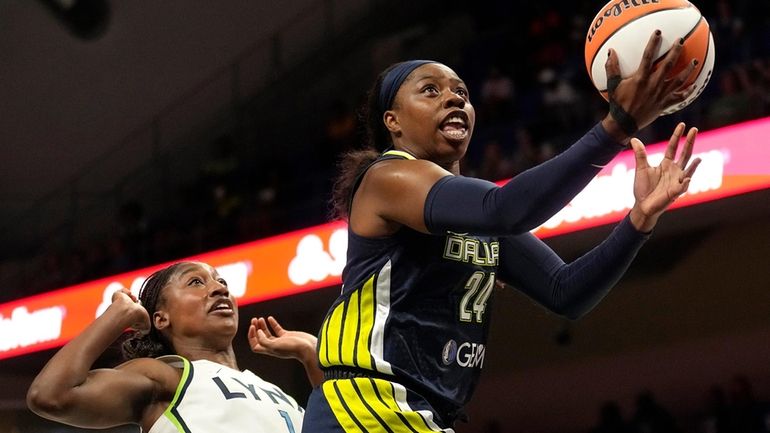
x: 466, y: 355
x: 471, y: 355
x: 449, y: 352
x: 471, y: 250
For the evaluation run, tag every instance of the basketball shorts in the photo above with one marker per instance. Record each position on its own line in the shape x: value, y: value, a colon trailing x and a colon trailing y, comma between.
x: 365, y: 404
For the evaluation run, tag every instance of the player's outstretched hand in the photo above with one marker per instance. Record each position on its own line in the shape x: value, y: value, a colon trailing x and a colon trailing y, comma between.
x: 657, y: 187
x: 267, y: 336
x: 639, y: 99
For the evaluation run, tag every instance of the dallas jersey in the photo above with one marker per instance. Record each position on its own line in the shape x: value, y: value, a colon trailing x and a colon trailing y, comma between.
x: 415, y: 308
x: 214, y: 398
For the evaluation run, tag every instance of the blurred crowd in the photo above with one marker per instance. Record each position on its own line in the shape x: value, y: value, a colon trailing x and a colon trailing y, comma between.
x: 526, y: 74
x: 527, y: 79
x: 725, y: 409
x: 731, y: 410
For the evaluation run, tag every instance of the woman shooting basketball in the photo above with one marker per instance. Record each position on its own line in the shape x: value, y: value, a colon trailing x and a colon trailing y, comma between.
x: 403, y: 345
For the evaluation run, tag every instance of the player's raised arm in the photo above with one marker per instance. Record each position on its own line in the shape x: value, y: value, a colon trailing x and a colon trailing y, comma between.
x: 573, y: 289
x: 68, y: 391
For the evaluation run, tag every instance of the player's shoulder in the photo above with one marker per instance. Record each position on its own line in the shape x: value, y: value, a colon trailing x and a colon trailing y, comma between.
x: 166, y: 371
x: 399, y: 171
x: 402, y: 163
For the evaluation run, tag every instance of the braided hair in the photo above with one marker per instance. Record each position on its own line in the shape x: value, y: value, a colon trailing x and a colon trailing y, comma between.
x: 153, y: 344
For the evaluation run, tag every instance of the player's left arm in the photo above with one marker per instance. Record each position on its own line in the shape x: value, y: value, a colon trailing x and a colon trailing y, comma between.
x: 568, y: 289
x: 574, y: 289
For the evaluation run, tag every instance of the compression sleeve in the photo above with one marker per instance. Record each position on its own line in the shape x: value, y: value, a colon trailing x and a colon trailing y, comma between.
x: 572, y: 289
x: 468, y: 205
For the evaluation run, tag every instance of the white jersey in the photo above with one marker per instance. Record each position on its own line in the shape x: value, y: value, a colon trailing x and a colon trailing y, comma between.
x: 213, y: 398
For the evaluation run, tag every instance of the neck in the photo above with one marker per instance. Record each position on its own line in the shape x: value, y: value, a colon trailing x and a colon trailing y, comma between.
x: 450, y: 166
x: 402, y: 146
x: 195, y: 353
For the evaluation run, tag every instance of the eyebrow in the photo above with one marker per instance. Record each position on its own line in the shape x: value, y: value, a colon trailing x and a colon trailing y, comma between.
x: 192, y: 269
x: 182, y: 274
x: 425, y: 77
x: 215, y: 275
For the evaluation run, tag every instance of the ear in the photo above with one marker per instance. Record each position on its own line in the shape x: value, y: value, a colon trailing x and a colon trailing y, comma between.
x: 161, y: 320
x: 391, y: 122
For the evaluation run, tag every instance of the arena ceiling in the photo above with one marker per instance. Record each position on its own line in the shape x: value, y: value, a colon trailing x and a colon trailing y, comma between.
x: 67, y: 101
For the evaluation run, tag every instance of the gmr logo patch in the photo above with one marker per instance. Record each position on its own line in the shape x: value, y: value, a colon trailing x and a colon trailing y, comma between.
x: 467, y: 355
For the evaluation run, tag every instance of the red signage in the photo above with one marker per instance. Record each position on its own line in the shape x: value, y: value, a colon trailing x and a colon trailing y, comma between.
x: 279, y: 266
x: 734, y: 162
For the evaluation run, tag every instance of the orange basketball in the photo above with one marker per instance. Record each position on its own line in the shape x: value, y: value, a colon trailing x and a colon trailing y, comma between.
x: 626, y: 26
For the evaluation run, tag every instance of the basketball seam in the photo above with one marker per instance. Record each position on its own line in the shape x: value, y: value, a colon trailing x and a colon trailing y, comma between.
x: 596, y: 53
x: 703, y: 68
x: 685, y: 37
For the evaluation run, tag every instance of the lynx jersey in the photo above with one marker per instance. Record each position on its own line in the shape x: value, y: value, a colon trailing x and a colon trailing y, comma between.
x: 214, y: 398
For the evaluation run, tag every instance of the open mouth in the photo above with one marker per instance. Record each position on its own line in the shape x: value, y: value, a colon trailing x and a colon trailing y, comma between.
x: 455, y: 125
x: 222, y: 306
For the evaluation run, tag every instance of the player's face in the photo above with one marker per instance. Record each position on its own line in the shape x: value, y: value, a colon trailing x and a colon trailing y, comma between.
x: 432, y: 116
x: 198, y: 305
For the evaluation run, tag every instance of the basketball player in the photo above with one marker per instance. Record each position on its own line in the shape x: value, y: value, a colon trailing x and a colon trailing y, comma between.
x: 403, y: 345
x: 182, y: 375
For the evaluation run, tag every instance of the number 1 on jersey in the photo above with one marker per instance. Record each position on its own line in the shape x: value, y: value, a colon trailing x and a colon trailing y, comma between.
x: 478, y: 289
x: 289, y: 424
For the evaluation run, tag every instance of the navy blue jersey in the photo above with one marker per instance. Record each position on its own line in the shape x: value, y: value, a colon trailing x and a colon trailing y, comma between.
x: 415, y: 307
x: 404, y: 344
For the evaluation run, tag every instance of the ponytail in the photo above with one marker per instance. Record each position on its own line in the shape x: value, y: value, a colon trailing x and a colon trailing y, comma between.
x: 353, y: 163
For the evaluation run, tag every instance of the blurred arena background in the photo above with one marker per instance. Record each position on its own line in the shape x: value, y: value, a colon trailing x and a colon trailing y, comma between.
x: 136, y: 133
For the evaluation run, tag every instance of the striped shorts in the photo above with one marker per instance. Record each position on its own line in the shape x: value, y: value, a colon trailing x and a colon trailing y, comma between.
x: 365, y: 404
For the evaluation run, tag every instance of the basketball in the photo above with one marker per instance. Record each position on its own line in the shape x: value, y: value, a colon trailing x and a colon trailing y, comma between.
x: 626, y: 27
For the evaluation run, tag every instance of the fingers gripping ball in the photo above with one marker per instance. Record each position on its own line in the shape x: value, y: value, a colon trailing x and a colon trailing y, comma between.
x: 626, y: 26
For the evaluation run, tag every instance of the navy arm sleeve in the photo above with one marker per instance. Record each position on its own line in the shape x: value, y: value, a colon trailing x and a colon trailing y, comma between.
x: 572, y: 289
x: 468, y: 205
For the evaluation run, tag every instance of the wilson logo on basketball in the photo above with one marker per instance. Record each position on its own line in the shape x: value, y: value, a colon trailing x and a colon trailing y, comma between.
x: 616, y: 9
